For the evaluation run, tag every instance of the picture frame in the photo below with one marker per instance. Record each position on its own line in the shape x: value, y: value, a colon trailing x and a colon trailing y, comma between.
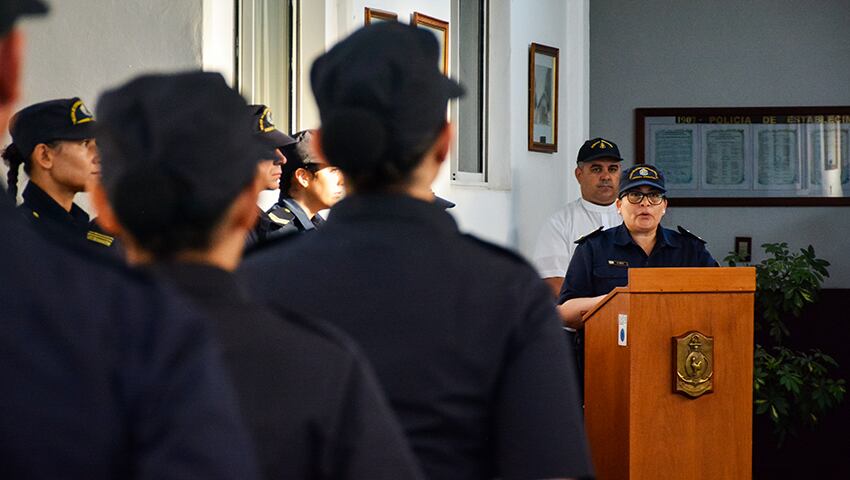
x: 374, y: 15
x: 749, y: 156
x: 744, y: 248
x: 543, y: 65
x: 440, y: 29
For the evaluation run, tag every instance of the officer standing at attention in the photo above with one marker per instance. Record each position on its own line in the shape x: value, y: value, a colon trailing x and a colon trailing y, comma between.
x: 463, y: 334
x: 269, y: 170
x: 308, y: 396
x: 598, y: 174
x: 54, y: 142
x: 106, y: 375
x: 308, y: 185
x: 603, y: 258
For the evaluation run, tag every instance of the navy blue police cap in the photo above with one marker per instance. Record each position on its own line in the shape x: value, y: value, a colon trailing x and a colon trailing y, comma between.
x: 390, y: 70
x: 44, y: 122
x: 189, y: 128
x: 299, y: 154
x: 598, y: 148
x: 10, y: 10
x: 641, y: 175
x: 263, y: 125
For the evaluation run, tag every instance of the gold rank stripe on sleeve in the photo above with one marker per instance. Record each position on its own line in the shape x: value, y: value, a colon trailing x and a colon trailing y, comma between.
x: 278, y: 220
x: 100, y: 238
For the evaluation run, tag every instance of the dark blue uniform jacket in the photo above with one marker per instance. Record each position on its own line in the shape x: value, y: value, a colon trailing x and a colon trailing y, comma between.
x: 307, y: 394
x: 603, y: 258
x: 105, y: 374
x: 462, y: 335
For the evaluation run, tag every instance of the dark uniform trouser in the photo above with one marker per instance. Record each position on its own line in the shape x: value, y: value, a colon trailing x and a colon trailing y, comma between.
x: 576, y: 339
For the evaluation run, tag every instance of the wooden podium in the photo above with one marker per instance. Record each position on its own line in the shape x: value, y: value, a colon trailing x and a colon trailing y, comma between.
x: 639, y: 427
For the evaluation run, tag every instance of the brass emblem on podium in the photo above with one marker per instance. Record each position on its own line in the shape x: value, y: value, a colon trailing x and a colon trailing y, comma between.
x: 693, y: 359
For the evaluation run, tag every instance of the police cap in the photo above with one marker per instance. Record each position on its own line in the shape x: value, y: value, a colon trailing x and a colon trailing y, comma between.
x: 62, y: 119
x: 10, y: 10
x: 187, y: 133
x: 263, y: 126
x: 298, y: 154
x: 598, y: 148
x: 388, y: 74
x: 641, y: 175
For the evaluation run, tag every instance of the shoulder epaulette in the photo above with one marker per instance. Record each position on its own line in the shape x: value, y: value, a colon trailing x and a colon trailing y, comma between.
x: 684, y: 231
x: 100, y: 238
x: 281, y: 216
x: 589, y: 235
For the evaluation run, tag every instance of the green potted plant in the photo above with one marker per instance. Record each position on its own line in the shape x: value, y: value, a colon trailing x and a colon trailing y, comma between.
x: 795, y: 388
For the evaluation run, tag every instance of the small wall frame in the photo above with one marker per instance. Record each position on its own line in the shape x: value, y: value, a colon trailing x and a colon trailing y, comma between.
x: 543, y: 63
x: 373, y: 15
x: 440, y: 29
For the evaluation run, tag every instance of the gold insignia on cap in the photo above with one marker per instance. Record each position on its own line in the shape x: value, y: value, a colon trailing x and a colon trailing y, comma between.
x: 643, y: 172
x: 266, y: 124
x: 80, y: 113
x: 602, y: 144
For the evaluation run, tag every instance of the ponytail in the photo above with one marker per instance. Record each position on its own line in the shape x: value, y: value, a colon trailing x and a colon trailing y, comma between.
x: 14, y: 159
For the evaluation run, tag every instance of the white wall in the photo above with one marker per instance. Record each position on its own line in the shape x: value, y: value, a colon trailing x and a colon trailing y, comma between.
x: 726, y: 53
x: 86, y: 46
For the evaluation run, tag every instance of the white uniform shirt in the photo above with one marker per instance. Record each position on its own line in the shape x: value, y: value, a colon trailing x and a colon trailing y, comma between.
x: 556, y: 242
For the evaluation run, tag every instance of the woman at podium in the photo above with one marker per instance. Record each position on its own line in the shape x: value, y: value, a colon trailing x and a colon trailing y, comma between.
x: 603, y: 258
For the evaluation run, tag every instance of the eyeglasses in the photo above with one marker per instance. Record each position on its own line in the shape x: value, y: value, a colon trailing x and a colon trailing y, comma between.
x: 655, y: 198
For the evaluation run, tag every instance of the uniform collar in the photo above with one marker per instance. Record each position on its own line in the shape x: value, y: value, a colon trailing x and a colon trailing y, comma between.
x: 664, y: 238
x: 299, y: 213
x: 201, y: 281
x: 44, y: 206
x: 393, y: 207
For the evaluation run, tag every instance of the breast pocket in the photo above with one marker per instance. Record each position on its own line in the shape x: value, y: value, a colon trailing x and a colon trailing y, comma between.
x: 606, y: 277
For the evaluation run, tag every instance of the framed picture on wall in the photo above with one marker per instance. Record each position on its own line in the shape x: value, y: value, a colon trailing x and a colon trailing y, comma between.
x: 752, y: 156
x: 440, y: 29
x: 542, y: 98
x: 373, y: 15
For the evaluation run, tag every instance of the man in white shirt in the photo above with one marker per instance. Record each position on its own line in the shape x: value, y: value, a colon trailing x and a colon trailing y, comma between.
x: 598, y: 175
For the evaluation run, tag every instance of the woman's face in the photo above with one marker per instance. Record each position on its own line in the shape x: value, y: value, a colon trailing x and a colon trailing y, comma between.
x: 75, y: 163
x: 327, y: 186
x: 642, y: 217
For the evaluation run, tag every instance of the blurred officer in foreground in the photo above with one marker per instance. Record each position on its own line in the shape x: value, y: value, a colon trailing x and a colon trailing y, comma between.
x: 462, y: 333
x: 54, y: 142
x: 105, y: 374
x: 308, y: 396
x: 269, y: 170
x: 308, y: 184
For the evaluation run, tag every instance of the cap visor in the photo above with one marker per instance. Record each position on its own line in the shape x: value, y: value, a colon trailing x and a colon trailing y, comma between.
x: 443, y: 203
x: 602, y: 155
x: 278, y: 139
x: 81, y: 131
x: 641, y: 183
x: 452, y: 88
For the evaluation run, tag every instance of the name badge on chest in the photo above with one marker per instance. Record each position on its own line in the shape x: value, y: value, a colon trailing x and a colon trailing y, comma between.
x: 618, y: 263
